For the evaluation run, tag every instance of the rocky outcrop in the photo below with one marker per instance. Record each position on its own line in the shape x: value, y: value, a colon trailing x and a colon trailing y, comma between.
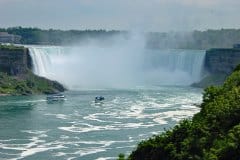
x: 222, y: 61
x: 16, y: 77
x: 219, y: 63
x: 14, y: 60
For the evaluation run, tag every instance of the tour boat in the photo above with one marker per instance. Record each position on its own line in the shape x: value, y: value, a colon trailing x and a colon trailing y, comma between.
x: 99, y: 99
x: 56, y: 97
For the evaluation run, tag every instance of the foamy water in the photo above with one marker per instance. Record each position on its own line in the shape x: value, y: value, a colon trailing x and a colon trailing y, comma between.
x: 78, y: 128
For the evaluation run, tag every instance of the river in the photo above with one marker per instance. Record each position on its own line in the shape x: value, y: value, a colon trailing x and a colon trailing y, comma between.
x: 78, y: 128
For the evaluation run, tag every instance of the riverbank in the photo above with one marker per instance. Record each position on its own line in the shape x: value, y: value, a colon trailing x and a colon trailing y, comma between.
x: 27, y: 84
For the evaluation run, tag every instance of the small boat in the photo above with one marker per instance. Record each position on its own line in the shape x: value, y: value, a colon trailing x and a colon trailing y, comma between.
x: 56, y: 97
x: 99, y: 99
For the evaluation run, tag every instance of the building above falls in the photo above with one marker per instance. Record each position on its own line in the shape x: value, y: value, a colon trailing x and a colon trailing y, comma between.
x: 9, y: 38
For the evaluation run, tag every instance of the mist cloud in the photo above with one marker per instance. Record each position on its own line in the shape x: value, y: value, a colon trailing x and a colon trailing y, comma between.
x: 123, y: 63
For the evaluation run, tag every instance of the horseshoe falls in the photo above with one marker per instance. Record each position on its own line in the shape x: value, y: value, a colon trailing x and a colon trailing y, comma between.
x: 93, y: 67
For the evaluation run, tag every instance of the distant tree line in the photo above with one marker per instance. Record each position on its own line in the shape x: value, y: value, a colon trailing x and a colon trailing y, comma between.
x: 224, y: 38
x: 58, y: 37
x: 11, y: 47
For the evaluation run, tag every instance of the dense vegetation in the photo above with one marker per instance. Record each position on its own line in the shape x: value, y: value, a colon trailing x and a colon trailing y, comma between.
x: 27, y: 84
x: 224, y: 38
x: 190, y: 40
x: 58, y: 37
x: 215, y: 79
x: 11, y: 47
x: 213, y: 133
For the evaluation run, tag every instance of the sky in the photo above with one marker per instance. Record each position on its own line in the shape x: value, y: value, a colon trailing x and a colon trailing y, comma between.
x: 140, y: 15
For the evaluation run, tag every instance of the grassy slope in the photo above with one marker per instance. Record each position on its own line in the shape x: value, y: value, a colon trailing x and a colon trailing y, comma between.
x: 27, y: 84
x: 213, y: 133
x: 11, y: 47
x: 209, y: 80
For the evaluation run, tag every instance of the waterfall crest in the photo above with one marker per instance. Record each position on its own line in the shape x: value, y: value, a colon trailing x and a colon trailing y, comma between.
x: 117, y: 67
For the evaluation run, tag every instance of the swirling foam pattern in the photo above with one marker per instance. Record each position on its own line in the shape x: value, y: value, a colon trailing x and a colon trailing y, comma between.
x: 79, y: 128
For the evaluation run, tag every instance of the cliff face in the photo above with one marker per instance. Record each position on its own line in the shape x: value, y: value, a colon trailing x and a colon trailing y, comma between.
x: 222, y: 61
x: 16, y: 77
x: 219, y: 63
x: 15, y: 61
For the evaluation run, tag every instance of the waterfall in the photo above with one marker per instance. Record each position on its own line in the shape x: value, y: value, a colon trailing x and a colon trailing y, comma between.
x: 176, y: 66
x: 116, y: 67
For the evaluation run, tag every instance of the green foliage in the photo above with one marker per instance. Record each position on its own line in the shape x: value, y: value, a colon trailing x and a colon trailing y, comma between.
x: 213, y: 133
x: 11, y: 47
x: 27, y: 84
x: 121, y: 156
x: 227, y: 147
x: 213, y: 79
x: 223, y: 38
x: 237, y: 68
x: 58, y: 37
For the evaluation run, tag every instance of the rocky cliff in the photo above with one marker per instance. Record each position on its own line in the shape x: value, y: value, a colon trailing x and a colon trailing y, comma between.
x: 219, y: 63
x: 222, y: 61
x: 14, y: 60
x: 16, y: 77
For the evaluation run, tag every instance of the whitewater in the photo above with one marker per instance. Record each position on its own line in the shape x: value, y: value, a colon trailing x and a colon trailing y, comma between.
x: 78, y: 128
x: 146, y: 91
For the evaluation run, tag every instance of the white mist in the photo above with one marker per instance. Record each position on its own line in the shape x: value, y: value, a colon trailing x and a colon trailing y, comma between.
x: 123, y: 63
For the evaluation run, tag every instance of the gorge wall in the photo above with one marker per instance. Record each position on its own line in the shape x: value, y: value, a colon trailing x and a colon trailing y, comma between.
x: 222, y: 61
x: 14, y: 60
x: 219, y: 63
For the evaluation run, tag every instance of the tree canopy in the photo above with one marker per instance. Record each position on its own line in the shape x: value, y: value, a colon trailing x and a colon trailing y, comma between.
x: 223, y: 38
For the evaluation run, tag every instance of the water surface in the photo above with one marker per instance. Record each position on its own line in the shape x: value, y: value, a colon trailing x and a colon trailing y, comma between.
x: 78, y: 128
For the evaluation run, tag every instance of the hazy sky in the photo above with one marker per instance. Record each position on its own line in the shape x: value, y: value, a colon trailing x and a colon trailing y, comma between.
x: 147, y: 15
